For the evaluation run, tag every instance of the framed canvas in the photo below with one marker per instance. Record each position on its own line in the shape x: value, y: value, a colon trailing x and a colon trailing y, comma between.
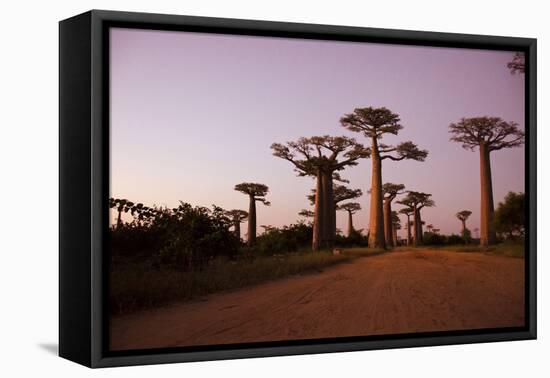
x: 235, y: 188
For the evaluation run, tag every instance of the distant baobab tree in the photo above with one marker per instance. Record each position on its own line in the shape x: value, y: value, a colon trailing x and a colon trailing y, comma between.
x: 518, y: 63
x: 237, y: 217
x: 463, y: 217
x: 396, y: 225
x: 351, y: 208
x: 374, y: 123
x: 321, y: 157
x: 390, y: 191
x: 416, y: 201
x: 476, y: 231
x: 430, y: 228
x: 408, y: 212
x: 488, y: 134
x: 256, y: 193
x: 341, y: 193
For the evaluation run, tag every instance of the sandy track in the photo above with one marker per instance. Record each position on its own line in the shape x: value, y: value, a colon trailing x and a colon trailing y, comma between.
x: 397, y: 292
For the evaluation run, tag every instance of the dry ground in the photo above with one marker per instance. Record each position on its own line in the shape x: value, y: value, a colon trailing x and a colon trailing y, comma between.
x: 397, y: 292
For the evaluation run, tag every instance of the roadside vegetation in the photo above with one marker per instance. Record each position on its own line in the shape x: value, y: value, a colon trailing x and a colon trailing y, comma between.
x: 135, y: 285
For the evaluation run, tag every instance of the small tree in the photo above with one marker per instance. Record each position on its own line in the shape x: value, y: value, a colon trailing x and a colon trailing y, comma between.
x: 256, y: 193
x: 489, y: 134
x: 463, y: 217
x: 510, y: 216
x: 351, y: 208
x: 374, y: 123
x: 237, y: 216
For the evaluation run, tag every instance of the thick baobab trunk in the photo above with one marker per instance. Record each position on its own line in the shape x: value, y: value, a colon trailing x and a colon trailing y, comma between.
x: 409, y: 236
x: 237, y: 226
x: 420, y: 227
x: 394, y: 236
x: 417, y: 228
x: 376, y: 219
x: 252, y: 221
x: 318, y: 214
x: 119, y: 219
x: 350, y: 223
x: 329, y: 219
x: 487, y: 231
x: 388, y: 224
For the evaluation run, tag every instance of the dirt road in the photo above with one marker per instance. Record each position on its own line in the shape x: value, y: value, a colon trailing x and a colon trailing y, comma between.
x: 397, y: 292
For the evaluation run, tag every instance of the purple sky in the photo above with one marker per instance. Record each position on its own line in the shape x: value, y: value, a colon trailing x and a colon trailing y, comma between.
x: 194, y: 114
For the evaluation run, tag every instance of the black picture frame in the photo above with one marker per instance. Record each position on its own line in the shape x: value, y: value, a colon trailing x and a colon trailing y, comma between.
x: 84, y: 186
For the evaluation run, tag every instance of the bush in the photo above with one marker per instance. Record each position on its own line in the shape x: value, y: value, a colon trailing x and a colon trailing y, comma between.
x: 184, y: 238
x: 355, y: 239
x: 454, y: 239
x: 284, y: 240
x: 431, y: 238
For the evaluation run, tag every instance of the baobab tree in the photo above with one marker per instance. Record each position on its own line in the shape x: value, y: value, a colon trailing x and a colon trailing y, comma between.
x: 390, y: 191
x: 408, y: 212
x: 237, y: 217
x: 416, y: 201
x: 341, y: 193
x: 374, y: 123
x: 321, y: 157
x: 256, y: 193
x: 489, y: 134
x: 396, y: 225
x: 351, y: 208
x: 518, y: 63
x: 463, y: 217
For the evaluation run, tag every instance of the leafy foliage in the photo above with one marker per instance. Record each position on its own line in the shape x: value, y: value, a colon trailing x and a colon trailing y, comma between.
x: 509, y: 218
x: 284, y: 240
x: 185, y: 238
x: 341, y: 193
x: 308, y: 155
x: 463, y: 215
x: 493, y: 132
x: 255, y: 190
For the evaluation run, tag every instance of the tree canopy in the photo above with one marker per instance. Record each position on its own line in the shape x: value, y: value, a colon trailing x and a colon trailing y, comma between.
x: 372, y: 122
x: 493, y: 132
x: 320, y: 152
x: 351, y: 207
x: 341, y: 193
x: 237, y: 215
x: 417, y: 200
x: 510, y: 216
x: 391, y: 190
x: 258, y: 191
x: 463, y: 215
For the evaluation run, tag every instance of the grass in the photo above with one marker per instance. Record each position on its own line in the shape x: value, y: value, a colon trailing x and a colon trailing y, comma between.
x: 137, y: 286
x: 516, y: 250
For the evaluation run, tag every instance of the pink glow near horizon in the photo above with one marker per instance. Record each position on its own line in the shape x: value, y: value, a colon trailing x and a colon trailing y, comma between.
x: 194, y: 114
